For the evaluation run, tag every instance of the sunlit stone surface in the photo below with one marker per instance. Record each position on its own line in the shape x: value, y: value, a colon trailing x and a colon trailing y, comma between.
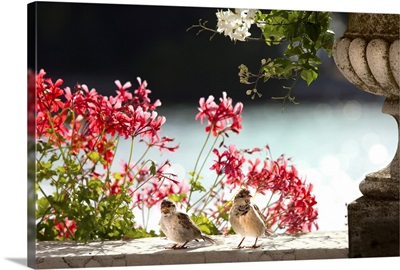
x: 151, y: 251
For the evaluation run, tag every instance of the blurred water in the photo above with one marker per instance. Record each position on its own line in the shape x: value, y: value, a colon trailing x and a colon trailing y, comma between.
x: 333, y: 146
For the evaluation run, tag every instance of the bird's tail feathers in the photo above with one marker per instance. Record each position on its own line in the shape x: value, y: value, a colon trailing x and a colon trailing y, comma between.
x: 210, y: 240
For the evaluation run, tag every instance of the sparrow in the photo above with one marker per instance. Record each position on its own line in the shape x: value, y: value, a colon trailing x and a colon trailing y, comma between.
x: 178, y: 226
x: 246, y: 219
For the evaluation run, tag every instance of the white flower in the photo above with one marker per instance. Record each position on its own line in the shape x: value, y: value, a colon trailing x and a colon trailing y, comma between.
x: 246, y: 14
x: 224, y: 21
x: 260, y: 24
x: 236, y: 24
x: 251, y: 13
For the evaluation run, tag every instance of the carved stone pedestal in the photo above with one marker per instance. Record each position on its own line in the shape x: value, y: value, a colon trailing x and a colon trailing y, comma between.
x: 373, y: 228
x: 373, y: 219
x: 368, y: 56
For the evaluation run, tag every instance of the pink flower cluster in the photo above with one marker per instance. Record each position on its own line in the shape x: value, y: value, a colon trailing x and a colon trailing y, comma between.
x: 84, y: 122
x: 65, y: 229
x: 155, y: 191
x: 221, y: 118
x: 293, y: 208
x: 230, y: 163
x: 86, y: 118
x: 147, y: 188
x: 31, y: 104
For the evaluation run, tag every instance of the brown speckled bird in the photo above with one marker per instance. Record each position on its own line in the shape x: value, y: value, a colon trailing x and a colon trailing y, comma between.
x: 178, y: 227
x: 246, y: 218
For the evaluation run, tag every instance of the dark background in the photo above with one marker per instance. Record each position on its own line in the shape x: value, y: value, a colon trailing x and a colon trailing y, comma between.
x: 96, y: 44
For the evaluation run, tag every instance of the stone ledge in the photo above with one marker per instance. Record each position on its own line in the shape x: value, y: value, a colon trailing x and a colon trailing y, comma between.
x: 151, y: 251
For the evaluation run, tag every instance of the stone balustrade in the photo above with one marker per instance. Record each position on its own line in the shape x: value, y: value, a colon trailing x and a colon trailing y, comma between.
x: 151, y: 251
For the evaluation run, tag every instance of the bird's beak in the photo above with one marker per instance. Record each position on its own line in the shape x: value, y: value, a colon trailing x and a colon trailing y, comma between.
x: 248, y: 197
x: 164, y: 209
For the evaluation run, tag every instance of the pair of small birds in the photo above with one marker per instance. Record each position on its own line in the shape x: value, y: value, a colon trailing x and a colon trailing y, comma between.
x: 245, y: 218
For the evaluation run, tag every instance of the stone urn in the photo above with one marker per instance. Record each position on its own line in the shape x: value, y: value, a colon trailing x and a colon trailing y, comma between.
x: 368, y: 56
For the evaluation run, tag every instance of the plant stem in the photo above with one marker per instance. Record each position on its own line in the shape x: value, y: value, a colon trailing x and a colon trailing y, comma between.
x: 143, y: 219
x: 202, y: 166
x: 207, y: 193
x: 208, y: 154
x: 130, y: 156
x: 288, y: 95
x: 148, y: 217
x: 207, y: 201
x: 122, y: 197
x: 270, y: 198
x: 195, y: 167
x: 140, y: 159
x: 143, y: 182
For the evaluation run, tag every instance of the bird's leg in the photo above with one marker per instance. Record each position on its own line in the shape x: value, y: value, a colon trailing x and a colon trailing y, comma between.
x: 183, y: 246
x: 255, y: 244
x: 173, y: 247
x: 241, y: 243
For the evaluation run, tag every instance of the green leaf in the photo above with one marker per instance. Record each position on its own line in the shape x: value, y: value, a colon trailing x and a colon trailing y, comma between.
x: 95, y: 185
x: 205, y: 228
x: 94, y: 156
x: 224, y: 216
x: 313, y: 31
x: 327, y: 41
x: 309, y: 75
x: 69, y: 117
x: 42, y: 204
x: 117, y: 176
x: 39, y: 147
x: 196, y: 186
x: 61, y: 182
x: 153, y: 168
x: 293, y: 51
x: 139, y: 233
x: 177, y: 197
x: 121, y: 210
x: 204, y: 224
x: 54, y: 158
x: 315, y: 59
x: 46, y: 165
x: 103, y: 161
x: 60, y: 169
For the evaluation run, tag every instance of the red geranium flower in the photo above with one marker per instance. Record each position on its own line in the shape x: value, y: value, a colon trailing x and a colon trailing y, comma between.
x: 230, y: 163
x: 65, y: 229
x: 221, y: 118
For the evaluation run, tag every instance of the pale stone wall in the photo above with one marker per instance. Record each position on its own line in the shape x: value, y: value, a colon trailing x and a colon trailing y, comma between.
x: 151, y: 251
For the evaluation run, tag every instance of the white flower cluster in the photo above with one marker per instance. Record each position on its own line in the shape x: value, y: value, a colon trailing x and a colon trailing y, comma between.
x: 236, y: 24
